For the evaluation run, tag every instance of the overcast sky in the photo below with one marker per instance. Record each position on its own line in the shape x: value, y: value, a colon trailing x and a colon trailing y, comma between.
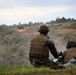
x: 14, y: 11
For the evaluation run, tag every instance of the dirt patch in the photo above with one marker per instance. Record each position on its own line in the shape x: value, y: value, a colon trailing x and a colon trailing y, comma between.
x: 67, y: 31
x: 22, y: 30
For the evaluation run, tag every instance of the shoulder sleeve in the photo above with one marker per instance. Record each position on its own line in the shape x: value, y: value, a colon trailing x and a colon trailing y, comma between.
x: 50, y: 44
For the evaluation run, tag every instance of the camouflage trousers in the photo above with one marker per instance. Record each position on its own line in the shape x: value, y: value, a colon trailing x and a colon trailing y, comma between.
x: 41, y: 62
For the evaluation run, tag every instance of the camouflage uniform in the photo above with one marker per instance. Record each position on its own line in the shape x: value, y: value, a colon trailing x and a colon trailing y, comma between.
x: 39, y: 49
x: 70, y: 52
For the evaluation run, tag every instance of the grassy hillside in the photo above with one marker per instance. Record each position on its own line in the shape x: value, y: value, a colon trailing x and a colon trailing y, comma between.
x: 15, y: 43
x: 24, y: 70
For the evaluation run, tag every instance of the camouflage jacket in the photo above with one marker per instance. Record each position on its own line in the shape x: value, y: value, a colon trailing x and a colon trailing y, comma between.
x: 69, y: 54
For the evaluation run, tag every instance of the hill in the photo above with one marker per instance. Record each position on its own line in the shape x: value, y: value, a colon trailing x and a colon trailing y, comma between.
x: 15, y: 42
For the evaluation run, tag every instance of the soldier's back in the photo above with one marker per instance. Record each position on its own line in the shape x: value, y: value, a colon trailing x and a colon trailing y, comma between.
x: 69, y: 54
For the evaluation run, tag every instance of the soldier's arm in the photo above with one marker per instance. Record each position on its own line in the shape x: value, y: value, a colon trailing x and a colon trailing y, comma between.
x: 51, y: 46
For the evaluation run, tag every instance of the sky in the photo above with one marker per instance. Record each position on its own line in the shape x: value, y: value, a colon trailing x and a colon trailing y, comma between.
x: 24, y: 11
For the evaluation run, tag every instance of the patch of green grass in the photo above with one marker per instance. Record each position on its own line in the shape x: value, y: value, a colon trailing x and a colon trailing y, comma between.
x: 72, y: 26
x: 30, y: 70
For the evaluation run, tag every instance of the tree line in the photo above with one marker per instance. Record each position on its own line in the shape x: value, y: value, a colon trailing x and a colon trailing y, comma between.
x: 62, y: 20
x: 57, y: 20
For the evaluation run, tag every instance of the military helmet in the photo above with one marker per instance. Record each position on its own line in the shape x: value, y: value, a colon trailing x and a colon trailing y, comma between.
x: 43, y: 27
x: 71, y: 44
